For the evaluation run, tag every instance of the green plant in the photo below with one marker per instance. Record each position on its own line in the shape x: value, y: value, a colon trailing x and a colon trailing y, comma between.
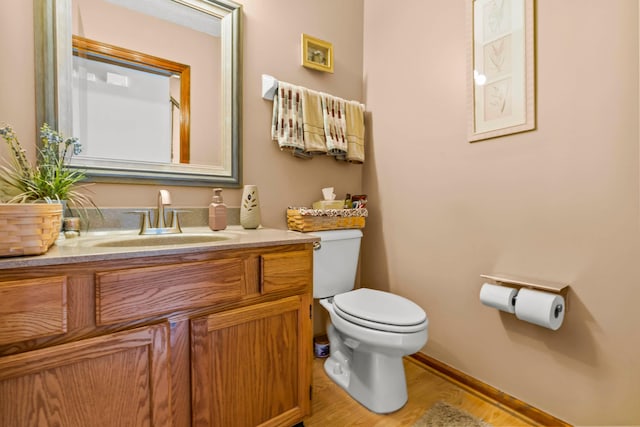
x: 50, y: 179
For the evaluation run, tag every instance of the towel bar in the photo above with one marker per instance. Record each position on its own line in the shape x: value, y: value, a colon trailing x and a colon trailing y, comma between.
x: 269, y: 87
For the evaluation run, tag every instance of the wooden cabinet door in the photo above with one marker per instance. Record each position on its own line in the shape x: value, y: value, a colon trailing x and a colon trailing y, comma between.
x: 120, y: 379
x: 251, y: 366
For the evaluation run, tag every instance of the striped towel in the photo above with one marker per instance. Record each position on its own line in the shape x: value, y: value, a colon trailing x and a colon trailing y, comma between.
x: 335, y: 127
x: 286, y: 126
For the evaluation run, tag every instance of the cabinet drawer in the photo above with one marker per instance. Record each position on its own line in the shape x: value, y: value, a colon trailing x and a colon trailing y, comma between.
x: 136, y: 293
x: 33, y: 308
x: 286, y: 271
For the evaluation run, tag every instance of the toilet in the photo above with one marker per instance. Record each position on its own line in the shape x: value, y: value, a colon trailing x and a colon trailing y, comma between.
x: 370, y: 331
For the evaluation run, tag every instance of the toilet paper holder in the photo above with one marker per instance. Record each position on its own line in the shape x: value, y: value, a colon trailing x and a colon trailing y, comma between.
x: 558, y: 310
x: 518, y: 282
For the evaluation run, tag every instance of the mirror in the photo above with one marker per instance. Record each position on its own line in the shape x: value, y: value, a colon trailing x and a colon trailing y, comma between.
x: 132, y: 106
x: 61, y: 105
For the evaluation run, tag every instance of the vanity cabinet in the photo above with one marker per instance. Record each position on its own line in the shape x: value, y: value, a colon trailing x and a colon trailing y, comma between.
x: 116, y: 379
x: 210, y: 338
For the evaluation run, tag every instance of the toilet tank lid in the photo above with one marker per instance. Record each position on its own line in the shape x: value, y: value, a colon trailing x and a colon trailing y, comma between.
x: 338, y: 234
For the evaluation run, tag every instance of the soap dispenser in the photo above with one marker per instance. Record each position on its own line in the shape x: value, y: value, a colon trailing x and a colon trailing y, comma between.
x: 217, y: 211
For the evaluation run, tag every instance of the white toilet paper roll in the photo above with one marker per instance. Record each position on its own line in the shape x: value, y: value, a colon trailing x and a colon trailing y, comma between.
x: 540, y: 308
x: 500, y: 297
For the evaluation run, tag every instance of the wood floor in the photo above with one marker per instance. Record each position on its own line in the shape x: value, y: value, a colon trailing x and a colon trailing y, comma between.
x: 331, y: 406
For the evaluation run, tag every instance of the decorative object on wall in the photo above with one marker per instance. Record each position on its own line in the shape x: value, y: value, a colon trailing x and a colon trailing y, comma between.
x: 501, y: 67
x: 317, y: 54
x: 250, y: 207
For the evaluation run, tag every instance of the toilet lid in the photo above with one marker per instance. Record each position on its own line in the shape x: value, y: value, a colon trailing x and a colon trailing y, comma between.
x: 380, y: 310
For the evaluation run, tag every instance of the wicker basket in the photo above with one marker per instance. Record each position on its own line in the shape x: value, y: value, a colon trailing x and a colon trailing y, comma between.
x: 305, y: 219
x: 29, y: 228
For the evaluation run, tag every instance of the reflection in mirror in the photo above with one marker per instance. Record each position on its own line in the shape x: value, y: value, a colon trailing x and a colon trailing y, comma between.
x: 130, y: 105
x: 207, y: 116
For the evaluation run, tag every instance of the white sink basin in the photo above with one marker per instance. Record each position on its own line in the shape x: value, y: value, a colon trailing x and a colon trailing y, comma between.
x: 156, y: 240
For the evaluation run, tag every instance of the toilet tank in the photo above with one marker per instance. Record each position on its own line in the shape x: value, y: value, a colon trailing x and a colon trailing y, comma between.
x: 335, y: 262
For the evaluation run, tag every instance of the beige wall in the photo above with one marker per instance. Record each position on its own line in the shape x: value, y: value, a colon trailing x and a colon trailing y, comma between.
x: 17, y: 92
x: 559, y: 203
x: 271, y: 45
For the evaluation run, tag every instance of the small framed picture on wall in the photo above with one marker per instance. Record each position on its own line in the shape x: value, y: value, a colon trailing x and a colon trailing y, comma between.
x: 317, y: 54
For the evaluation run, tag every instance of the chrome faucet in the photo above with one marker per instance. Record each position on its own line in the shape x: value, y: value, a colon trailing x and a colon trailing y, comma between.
x: 164, y: 199
x: 161, y: 227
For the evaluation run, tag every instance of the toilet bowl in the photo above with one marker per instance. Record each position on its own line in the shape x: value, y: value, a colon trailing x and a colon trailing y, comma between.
x: 366, y: 355
x: 369, y: 332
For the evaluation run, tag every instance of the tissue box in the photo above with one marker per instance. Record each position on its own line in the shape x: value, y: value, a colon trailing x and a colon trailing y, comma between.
x: 328, y: 204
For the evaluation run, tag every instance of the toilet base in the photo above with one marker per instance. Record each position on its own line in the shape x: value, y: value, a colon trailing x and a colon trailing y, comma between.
x: 375, y: 380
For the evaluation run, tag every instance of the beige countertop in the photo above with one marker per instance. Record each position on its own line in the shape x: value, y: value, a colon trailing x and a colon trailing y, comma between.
x: 81, y: 249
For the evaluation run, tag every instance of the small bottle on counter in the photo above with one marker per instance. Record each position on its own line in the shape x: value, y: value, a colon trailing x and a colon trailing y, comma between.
x: 347, y: 201
x: 217, y: 211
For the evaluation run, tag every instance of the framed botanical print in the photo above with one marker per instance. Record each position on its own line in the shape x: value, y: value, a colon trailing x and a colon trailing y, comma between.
x: 501, y: 66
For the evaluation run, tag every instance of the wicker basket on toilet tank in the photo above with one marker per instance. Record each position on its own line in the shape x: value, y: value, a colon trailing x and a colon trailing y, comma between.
x: 306, y: 220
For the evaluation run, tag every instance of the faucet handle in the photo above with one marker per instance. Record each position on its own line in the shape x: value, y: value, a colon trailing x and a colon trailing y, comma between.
x: 145, y: 221
x: 175, y: 218
x: 164, y: 199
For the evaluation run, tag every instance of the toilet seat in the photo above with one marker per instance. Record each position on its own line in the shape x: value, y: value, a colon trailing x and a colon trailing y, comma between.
x: 380, y: 310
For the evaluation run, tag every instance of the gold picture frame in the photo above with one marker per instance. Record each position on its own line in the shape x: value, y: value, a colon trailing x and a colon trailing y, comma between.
x: 317, y: 54
x: 501, y: 68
